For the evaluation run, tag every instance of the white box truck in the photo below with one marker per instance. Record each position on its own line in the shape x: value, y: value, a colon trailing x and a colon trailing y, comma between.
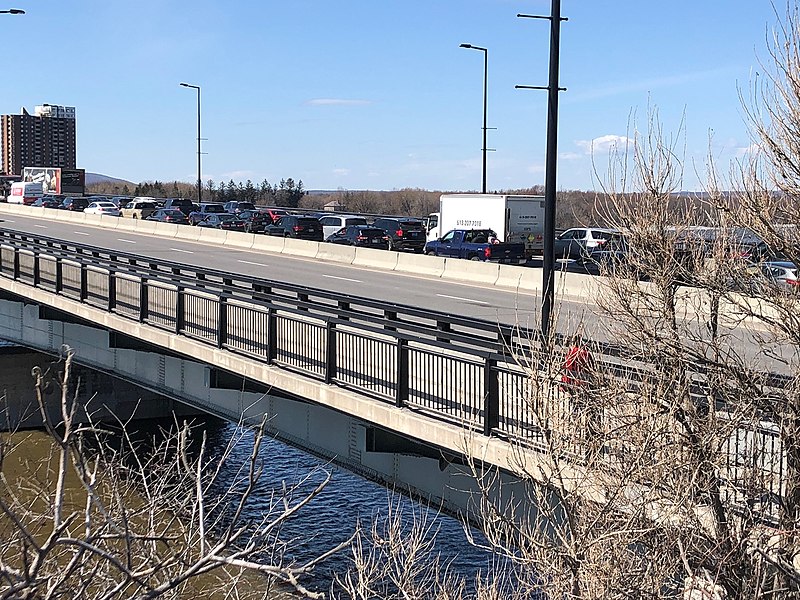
x: 513, y: 218
x: 23, y: 192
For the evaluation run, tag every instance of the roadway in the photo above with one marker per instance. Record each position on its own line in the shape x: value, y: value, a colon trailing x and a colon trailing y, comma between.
x: 481, y: 301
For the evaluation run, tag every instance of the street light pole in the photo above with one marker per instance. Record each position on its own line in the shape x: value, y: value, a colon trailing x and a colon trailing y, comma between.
x: 485, y: 98
x: 551, y: 163
x: 199, y: 177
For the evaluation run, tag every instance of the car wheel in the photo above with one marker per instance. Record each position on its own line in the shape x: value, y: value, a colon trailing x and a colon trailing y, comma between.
x: 134, y: 216
x: 474, y: 257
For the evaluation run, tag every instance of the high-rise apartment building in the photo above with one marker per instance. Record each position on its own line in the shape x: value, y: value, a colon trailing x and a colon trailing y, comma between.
x: 44, y: 139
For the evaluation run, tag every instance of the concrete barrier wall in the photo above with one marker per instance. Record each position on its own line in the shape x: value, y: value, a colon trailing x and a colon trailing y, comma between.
x: 209, y: 234
x: 239, y: 239
x: 378, y: 259
x: 517, y: 277
x: 300, y: 247
x: 471, y: 270
x: 268, y: 243
x: 419, y: 263
x: 168, y: 230
x: 189, y: 233
x: 336, y: 253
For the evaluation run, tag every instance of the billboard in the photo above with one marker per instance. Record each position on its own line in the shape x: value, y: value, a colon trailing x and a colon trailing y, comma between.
x: 56, y: 180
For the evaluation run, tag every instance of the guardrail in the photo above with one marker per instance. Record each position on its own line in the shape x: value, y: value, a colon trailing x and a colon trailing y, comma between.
x: 466, y: 371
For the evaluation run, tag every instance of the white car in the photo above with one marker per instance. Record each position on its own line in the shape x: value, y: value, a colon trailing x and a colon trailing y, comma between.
x: 332, y: 224
x: 102, y: 208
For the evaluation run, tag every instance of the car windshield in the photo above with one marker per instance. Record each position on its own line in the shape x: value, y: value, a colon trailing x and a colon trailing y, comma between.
x: 355, y: 221
x: 214, y: 208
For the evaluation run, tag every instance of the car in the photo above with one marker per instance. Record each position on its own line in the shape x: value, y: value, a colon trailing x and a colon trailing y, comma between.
x: 303, y: 227
x: 780, y: 274
x: 361, y: 235
x: 578, y: 242
x: 223, y: 220
x: 236, y: 206
x: 333, y: 223
x: 75, y: 203
x: 205, y: 209
x: 169, y: 215
x: 403, y: 233
x: 256, y: 221
x: 139, y: 209
x: 49, y: 201
x: 103, y: 207
x: 274, y: 213
x: 185, y: 205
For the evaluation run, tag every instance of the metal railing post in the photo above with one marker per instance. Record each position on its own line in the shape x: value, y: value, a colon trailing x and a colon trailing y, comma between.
x: 272, y: 336
x: 222, y: 322
x: 491, y: 397
x: 403, y: 373
x: 143, y: 300
x: 330, y: 352
x: 180, y: 309
x: 112, y: 291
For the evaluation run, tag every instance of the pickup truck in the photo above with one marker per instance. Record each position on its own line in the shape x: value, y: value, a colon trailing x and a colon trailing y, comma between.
x: 475, y: 244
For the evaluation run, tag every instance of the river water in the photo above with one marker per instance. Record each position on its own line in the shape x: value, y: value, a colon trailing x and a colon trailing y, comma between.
x: 332, y: 516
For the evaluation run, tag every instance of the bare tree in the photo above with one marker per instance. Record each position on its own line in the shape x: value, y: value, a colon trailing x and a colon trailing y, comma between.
x: 106, y: 520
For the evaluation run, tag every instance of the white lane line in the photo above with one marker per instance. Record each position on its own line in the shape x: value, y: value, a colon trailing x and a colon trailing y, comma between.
x: 343, y: 278
x: 80, y: 233
x: 181, y: 250
x: 41, y: 226
x: 462, y: 299
x: 255, y: 264
x: 126, y: 241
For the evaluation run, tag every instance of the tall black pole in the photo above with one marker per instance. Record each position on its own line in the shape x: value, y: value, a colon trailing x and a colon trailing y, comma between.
x: 485, y: 110
x: 485, y: 105
x: 548, y: 264
x: 199, y: 154
x: 199, y: 138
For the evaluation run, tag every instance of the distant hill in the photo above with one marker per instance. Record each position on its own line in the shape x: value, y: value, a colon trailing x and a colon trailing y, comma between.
x: 93, y: 178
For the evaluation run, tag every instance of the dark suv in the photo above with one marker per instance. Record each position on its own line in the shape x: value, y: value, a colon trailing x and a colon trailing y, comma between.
x: 297, y: 226
x: 403, y: 233
x: 185, y: 205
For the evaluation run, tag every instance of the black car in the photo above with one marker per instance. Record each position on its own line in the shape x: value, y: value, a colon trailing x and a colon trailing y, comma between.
x: 403, y: 234
x: 302, y: 227
x: 225, y: 221
x: 361, y: 235
x: 236, y: 206
x: 168, y: 215
x: 77, y: 204
x: 49, y: 201
x: 256, y: 221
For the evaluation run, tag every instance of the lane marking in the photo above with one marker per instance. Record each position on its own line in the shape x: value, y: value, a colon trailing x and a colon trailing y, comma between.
x: 126, y: 241
x: 41, y: 226
x: 255, y: 264
x: 343, y: 278
x: 462, y: 299
x: 80, y: 233
x: 181, y: 250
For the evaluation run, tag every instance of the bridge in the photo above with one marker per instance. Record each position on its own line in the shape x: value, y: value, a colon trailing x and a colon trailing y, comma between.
x: 400, y: 392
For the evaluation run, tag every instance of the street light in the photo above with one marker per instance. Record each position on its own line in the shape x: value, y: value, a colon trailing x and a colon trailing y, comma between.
x: 199, y: 178
x: 13, y: 11
x: 485, y: 94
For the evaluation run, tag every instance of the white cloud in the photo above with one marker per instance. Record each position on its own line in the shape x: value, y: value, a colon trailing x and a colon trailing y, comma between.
x: 604, y: 144
x: 236, y: 175
x: 337, y: 102
x: 748, y: 150
x: 341, y: 172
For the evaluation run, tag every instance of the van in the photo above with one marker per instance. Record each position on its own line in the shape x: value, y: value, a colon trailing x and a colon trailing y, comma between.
x: 25, y: 192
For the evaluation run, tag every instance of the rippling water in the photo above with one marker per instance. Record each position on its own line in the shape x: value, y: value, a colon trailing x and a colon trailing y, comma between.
x: 332, y: 516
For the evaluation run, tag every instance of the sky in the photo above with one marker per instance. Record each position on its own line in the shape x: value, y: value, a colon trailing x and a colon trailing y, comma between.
x: 377, y: 94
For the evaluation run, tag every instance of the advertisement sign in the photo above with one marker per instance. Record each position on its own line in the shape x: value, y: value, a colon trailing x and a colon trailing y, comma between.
x: 56, y: 180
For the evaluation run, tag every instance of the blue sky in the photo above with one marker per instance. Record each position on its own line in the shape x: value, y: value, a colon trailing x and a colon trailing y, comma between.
x: 377, y: 94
